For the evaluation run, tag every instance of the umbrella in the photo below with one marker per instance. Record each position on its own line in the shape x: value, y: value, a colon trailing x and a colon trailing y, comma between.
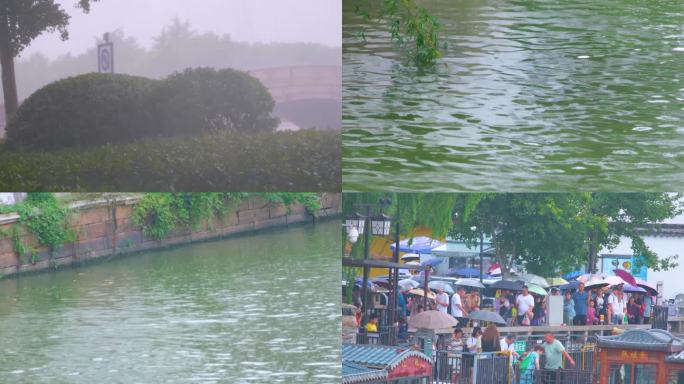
x: 588, y: 276
x: 432, y: 320
x: 556, y: 281
x: 410, y: 257
x: 486, y: 316
x: 408, y: 284
x: 571, y: 285
x: 419, y: 292
x: 469, y: 283
x: 614, y: 280
x: 412, y: 263
x: 420, y: 244
x: 534, y: 288
x: 647, y: 286
x: 534, y: 279
x: 572, y: 275
x: 446, y: 287
x: 626, y: 276
x: 508, y: 285
x: 432, y: 262
x: 632, y: 288
x: 595, y: 282
x: 464, y: 272
x: 359, y: 282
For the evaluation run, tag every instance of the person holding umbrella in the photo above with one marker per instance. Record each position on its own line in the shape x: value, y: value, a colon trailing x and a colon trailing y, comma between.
x: 457, y: 309
x: 442, y: 300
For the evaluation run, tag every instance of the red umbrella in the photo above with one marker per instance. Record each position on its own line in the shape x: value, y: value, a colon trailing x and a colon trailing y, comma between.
x: 626, y: 276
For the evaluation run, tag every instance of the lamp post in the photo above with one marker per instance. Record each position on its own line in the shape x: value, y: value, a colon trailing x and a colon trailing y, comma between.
x: 365, y: 225
x: 474, y: 228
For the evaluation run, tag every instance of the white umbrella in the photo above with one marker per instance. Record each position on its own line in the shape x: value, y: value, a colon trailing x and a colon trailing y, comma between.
x: 534, y: 279
x: 469, y: 283
x: 408, y: 284
x: 410, y: 257
x: 613, y: 280
x: 432, y: 320
x: 444, y: 286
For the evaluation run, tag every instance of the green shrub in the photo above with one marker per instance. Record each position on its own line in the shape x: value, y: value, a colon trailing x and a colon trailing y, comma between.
x: 83, y: 111
x: 206, y: 100
x: 270, y: 162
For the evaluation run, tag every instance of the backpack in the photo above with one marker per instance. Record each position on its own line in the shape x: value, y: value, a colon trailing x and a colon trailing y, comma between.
x: 527, y: 362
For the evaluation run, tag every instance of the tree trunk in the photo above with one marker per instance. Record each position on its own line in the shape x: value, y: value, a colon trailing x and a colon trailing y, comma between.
x: 9, y: 83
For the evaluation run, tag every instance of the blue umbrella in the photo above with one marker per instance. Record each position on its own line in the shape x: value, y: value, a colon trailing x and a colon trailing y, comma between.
x: 464, y: 272
x: 432, y: 262
x: 420, y: 244
x: 571, y: 285
x: 573, y: 275
x: 359, y: 282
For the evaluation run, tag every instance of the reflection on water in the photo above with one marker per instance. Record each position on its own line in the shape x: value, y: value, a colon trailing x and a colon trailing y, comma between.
x: 530, y: 94
x: 246, y: 310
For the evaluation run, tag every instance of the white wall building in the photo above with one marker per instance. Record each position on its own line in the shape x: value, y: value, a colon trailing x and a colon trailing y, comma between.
x: 666, y: 242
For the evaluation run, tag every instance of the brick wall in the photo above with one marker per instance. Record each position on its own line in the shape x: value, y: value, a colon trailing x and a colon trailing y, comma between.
x: 104, y: 229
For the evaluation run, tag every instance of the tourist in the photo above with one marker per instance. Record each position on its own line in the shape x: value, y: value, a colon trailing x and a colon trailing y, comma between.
x: 372, y: 325
x: 401, y: 302
x: 530, y: 364
x: 491, y: 340
x: 615, y: 307
x: 442, y: 300
x: 474, y: 342
x: 554, y: 351
x: 525, y: 305
x: 568, y: 309
x: 456, y: 343
x: 473, y: 301
x: 591, y: 313
x: 539, y: 311
x: 633, y: 311
x: 648, y: 307
x: 503, y: 307
x: 457, y: 309
x: 580, y: 298
x: 507, y: 344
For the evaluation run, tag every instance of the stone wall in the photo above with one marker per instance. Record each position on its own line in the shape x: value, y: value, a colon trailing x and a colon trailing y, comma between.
x: 105, y: 228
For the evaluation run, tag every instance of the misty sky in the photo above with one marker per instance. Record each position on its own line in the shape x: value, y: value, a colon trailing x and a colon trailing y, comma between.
x: 317, y: 21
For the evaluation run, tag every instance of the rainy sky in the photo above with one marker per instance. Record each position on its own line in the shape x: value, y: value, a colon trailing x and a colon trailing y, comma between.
x: 317, y: 21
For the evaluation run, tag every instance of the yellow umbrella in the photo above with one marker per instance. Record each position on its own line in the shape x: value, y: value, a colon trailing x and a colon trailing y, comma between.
x: 419, y: 292
x: 556, y: 281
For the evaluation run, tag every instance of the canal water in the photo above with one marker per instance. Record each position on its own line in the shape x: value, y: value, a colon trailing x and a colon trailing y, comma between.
x: 252, y: 309
x: 529, y: 94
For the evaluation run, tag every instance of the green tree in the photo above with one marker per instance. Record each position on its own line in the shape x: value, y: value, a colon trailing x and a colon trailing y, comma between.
x: 21, y: 21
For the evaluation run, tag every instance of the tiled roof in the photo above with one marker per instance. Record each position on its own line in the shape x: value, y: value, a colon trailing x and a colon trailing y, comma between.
x: 643, y: 339
x: 676, y: 358
x: 355, y: 373
x: 378, y: 356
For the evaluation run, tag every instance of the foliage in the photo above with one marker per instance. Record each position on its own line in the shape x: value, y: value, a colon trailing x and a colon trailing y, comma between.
x: 412, y: 27
x: 175, y: 48
x: 159, y: 213
x: 546, y: 232
x: 83, y: 111
x: 206, y: 100
x: 309, y: 200
x: 284, y: 161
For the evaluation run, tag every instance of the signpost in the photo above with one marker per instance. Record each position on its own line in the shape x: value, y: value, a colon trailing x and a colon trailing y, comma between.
x: 105, y: 56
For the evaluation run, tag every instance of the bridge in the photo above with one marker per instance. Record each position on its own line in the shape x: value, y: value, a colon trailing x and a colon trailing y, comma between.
x: 286, y: 84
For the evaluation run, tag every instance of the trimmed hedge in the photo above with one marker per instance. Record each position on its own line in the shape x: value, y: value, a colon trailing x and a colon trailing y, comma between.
x: 288, y: 161
x: 83, y: 111
x: 96, y: 109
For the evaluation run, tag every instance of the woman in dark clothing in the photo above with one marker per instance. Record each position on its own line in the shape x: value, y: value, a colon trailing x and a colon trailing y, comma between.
x: 491, y: 341
x: 633, y: 311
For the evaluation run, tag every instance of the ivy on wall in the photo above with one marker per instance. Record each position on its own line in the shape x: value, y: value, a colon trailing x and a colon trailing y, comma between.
x: 159, y: 213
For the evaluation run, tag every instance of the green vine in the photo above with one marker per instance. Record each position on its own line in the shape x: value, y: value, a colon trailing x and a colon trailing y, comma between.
x: 159, y: 213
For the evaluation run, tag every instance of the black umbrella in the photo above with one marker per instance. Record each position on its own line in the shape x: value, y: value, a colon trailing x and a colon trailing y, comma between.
x: 508, y: 285
x: 486, y: 316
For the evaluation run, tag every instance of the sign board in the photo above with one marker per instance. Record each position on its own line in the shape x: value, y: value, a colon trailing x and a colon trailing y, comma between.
x: 555, y: 304
x: 427, y: 347
x: 625, y: 262
x: 519, y: 346
x: 105, y: 58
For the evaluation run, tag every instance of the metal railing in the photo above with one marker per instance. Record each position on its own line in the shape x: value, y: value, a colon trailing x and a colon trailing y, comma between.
x: 563, y: 376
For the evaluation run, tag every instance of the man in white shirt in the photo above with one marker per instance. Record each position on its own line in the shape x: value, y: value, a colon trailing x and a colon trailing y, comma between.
x: 525, y: 303
x: 507, y: 345
x: 442, y: 300
x: 457, y: 309
x: 616, y: 307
